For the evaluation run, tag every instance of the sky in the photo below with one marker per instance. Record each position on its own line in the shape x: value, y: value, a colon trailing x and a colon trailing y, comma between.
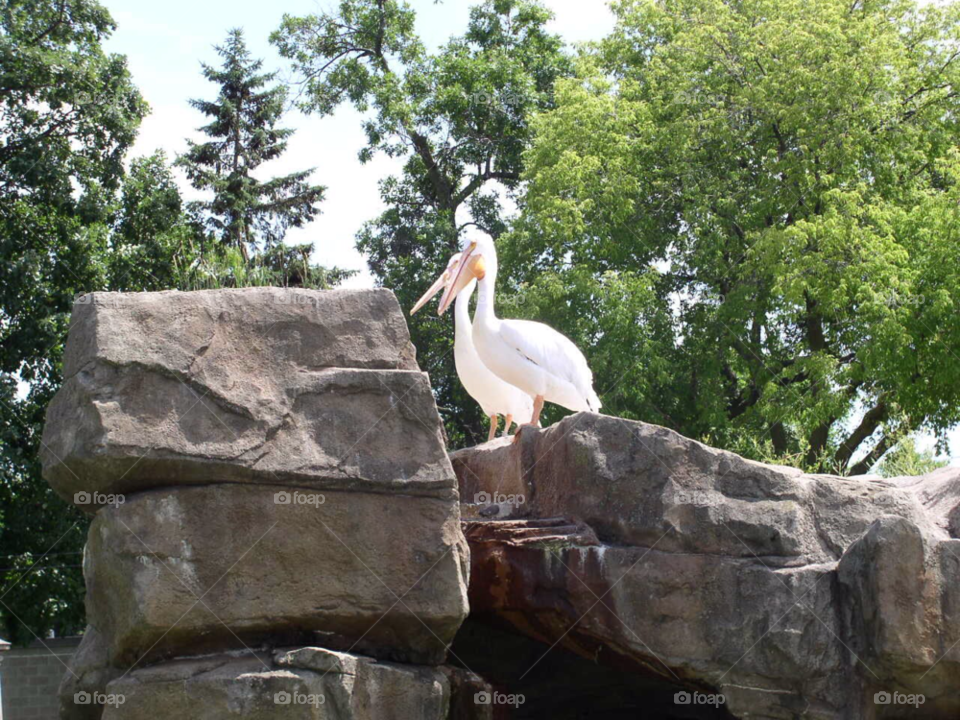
x: 165, y: 42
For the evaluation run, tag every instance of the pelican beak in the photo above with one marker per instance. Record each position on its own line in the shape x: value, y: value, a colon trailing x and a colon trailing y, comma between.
x: 434, y: 289
x: 469, y: 267
x: 440, y: 283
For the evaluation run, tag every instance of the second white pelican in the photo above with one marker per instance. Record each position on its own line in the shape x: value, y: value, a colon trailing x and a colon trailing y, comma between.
x: 529, y: 355
x: 493, y: 395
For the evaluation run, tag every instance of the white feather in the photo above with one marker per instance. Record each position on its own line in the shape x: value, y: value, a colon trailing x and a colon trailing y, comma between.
x: 492, y: 394
x: 529, y: 355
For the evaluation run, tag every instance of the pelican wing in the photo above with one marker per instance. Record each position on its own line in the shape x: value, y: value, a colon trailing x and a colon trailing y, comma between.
x: 554, y: 353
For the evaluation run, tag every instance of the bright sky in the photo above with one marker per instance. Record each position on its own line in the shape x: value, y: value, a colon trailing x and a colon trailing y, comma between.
x: 166, y: 41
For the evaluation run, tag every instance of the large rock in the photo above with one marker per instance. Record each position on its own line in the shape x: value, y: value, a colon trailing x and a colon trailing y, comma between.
x: 902, y: 596
x: 307, y: 683
x: 200, y: 568
x: 791, y: 594
x: 266, y: 467
x: 262, y: 385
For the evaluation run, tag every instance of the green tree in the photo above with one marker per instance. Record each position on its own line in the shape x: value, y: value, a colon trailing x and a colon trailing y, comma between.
x: 68, y: 112
x: 154, y: 244
x: 245, y: 212
x: 459, y: 118
x: 906, y: 459
x: 784, y: 176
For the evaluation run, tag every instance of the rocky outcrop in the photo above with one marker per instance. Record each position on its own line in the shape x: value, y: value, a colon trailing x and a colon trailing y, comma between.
x: 276, y: 534
x: 265, y: 468
x: 789, y: 594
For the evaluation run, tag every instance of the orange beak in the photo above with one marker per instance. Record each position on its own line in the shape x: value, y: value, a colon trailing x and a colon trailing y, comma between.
x: 470, y: 267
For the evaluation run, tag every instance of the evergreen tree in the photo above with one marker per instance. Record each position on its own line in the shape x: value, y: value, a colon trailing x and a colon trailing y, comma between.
x: 245, y: 212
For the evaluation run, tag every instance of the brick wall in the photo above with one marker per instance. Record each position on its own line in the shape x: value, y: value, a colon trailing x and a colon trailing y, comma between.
x: 29, y: 678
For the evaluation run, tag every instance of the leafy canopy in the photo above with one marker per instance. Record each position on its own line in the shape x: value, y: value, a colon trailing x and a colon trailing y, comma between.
x: 72, y: 221
x: 774, y: 183
x: 68, y: 112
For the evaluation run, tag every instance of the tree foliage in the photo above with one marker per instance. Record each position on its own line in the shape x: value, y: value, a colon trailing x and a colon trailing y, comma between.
x: 244, y: 211
x: 68, y: 112
x: 72, y: 221
x: 460, y: 119
x: 778, y: 180
x: 906, y: 459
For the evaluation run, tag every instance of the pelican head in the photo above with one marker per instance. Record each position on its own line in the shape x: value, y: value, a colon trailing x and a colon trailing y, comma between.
x: 477, y: 259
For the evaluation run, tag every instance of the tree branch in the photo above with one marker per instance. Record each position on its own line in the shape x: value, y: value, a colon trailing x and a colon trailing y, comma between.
x: 479, y: 179
x: 863, y: 467
x: 870, y: 422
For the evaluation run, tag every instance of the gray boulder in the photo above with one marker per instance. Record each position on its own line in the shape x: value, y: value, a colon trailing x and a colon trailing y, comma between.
x: 265, y: 467
x: 201, y: 568
x: 261, y: 385
x: 791, y: 594
x: 88, y: 673
x: 306, y: 683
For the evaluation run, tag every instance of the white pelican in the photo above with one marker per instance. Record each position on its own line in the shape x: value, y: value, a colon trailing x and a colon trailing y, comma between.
x: 493, y: 395
x: 529, y: 355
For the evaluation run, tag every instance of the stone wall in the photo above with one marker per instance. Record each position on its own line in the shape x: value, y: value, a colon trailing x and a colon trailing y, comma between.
x: 29, y: 678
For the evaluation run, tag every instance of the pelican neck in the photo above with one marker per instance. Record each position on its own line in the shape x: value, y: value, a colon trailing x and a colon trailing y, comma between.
x: 462, y: 311
x: 485, y: 297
